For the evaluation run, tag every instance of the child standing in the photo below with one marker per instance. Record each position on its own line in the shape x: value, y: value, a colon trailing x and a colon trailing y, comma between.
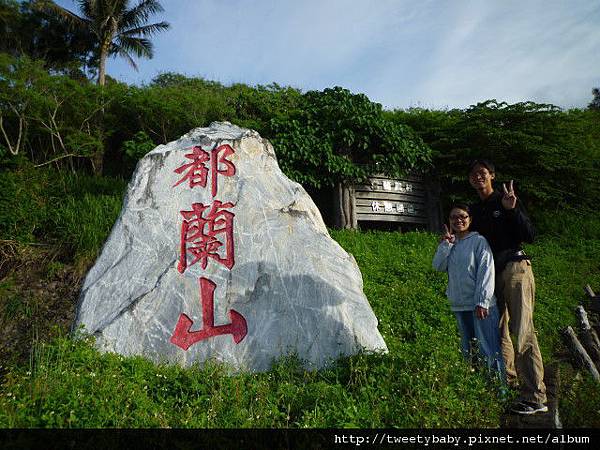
x: 466, y: 257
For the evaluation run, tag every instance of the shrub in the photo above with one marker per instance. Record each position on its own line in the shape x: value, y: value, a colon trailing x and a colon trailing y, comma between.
x: 338, y: 136
x: 553, y: 156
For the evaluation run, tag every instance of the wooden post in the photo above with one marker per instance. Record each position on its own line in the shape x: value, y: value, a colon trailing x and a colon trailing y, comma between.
x: 588, y: 290
x: 579, y: 353
x: 434, y: 207
x: 595, y: 299
x: 338, y: 215
x: 352, y: 205
x: 589, y: 337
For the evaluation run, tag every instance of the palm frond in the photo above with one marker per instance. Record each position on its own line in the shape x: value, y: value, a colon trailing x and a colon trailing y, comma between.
x: 69, y: 17
x: 140, y: 13
x: 146, y: 30
x: 89, y: 8
x: 116, y: 50
x: 141, y: 47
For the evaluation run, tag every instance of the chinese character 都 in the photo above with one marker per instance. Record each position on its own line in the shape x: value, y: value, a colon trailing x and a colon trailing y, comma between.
x: 196, y: 171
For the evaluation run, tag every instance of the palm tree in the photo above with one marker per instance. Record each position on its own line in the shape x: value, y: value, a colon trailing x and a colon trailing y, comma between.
x: 115, y: 27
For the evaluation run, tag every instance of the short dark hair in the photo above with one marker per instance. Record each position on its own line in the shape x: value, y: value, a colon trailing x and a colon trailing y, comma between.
x: 462, y: 206
x: 482, y: 162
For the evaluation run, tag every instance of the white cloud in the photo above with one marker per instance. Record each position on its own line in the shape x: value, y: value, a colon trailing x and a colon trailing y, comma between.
x: 514, y: 53
x: 399, y: 52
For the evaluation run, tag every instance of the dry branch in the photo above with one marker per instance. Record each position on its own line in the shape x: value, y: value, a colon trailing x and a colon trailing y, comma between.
x: 590, y: 339
x: 579, y: 353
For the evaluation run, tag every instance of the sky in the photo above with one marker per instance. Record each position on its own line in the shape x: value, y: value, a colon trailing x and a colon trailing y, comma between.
x: 435, y: 54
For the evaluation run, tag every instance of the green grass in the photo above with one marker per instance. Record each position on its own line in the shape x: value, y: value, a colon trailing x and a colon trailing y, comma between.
x: 422, y: 382
x: 71, y: 385
x: 76, y: 211
x: 83, y: 222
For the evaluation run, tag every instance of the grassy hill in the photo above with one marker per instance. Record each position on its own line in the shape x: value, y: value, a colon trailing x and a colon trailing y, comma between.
x: 54, y: 227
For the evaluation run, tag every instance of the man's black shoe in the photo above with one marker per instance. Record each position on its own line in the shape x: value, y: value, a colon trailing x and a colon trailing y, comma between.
x: 528, y: 408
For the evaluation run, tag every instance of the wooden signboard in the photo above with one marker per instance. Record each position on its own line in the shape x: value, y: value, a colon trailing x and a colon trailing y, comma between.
x: 408, y: 200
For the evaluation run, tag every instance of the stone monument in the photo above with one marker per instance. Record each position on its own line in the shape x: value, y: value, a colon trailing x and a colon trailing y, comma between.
x: 218, y: 255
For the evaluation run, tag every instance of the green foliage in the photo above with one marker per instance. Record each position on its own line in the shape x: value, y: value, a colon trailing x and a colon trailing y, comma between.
x: 73, y: 210
x: 320, y: 137
x: 138, y: 146
x: 52, y: 118
x: 11, y: 305
x: 553, y: 156
x: 26, y: 30
x: 23, y: 203
x: 580, y: 406
x: 254, y: 107
x: 83, y: 211
x: 166, y: 111
x: 338, y: 136
x: 84, y: 221
x: 565, y: 259
x: 83, y: 144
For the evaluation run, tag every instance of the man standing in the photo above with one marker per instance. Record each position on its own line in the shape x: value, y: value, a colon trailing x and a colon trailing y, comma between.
x: 501, y: 219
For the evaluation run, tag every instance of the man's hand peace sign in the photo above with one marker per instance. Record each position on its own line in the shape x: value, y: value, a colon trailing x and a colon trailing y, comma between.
x: 509, y: 200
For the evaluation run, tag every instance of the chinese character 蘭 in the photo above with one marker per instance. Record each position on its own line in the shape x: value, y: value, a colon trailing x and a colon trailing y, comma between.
x: 199, y: 235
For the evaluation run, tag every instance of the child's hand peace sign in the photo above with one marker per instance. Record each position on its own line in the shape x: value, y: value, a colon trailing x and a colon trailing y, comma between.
x: 447, y: 236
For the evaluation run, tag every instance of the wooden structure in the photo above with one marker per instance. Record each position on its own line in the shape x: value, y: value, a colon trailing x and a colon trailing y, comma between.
x: 408, y: 200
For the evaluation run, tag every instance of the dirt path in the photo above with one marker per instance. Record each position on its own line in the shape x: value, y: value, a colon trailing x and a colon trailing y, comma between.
x: 39, y: 295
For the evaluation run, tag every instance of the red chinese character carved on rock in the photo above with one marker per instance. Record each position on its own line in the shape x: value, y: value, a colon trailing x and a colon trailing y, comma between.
x: 197, y: 171
x: 199, y: 235
x: 219, y: 156
x: 184, y: 338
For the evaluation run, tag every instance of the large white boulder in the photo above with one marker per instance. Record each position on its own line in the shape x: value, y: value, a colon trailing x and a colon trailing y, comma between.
x: 184, y: 278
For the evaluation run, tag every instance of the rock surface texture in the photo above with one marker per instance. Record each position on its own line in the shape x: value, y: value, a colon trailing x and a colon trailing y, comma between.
x: 218, y: 255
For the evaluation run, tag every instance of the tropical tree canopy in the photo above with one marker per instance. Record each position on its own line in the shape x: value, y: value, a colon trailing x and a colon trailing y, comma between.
x: 336, y: 136
x: 115, y: 27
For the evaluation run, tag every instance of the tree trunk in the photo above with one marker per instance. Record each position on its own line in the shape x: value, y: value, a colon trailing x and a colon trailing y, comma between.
x: 102, y: 71
x: 102, y: 65
x: 344, y: 206
x: 98, y: 158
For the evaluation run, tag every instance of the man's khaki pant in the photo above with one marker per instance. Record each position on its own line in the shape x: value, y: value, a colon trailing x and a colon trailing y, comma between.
x: 515, y: 291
